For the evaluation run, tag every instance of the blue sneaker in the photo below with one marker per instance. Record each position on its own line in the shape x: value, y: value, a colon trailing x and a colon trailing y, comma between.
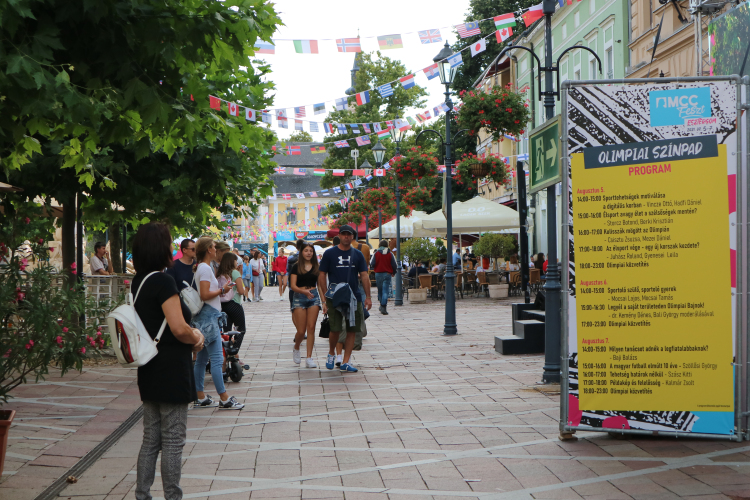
x: 329, y: 361
x: 348, y: 367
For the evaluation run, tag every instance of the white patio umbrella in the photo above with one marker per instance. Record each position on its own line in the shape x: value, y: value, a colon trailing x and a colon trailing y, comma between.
x: 474, y: 216
x: 410, y: 227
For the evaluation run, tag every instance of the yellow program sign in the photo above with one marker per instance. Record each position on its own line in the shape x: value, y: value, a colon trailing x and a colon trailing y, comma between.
x: 652, y: 272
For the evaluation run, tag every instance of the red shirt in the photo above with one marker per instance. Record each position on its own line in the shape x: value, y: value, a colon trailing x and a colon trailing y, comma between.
x: 384, y: 263
x: 279, y: 264
x: 544, y: 267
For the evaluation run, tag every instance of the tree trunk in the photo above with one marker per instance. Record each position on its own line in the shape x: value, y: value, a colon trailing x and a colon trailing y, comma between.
x: 115, y: 246
x: 68, y: 238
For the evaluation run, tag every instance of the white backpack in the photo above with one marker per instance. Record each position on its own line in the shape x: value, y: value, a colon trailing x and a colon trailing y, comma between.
x: 130, y: 340
x: 191, y: 298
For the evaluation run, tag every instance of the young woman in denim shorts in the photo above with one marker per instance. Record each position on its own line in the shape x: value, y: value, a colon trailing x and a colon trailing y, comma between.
x: 306, y: 305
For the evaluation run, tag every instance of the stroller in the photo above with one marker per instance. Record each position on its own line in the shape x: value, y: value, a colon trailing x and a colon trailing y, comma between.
x: 231, y: 342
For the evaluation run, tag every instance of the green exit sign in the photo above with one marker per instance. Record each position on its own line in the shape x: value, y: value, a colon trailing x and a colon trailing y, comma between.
x: 544, y: 155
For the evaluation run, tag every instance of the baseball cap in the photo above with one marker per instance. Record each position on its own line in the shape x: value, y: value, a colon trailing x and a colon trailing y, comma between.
x: 347, y: 228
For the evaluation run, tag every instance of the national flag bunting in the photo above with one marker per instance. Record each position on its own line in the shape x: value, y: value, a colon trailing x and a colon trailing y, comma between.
x: 505, y: 21
x: 427, y: 114
x: 363, y: 98
x: 387, y: 42
x: 328, y: 128
x: 385, y: 90
x: 532, y: 15
x: 300, y: 112
x: 300, y: 195
x: 312, y: 194
x: 232, y: 108
x: 250, y: 115
x: 468, y: 29
x: 358, y: 171
x: 478, y: 47
x: 503, y: 34
x: 280, y: 170
x: 337, y: 172
x: 348, y: 45
x: 295, y: 151
x: 299, y: 171
x: 342, y: 144
x: 366, y: 128
x: 402, y: 125
x: 342, y: 128
x: 389, y: 124
x: 377, y: 127
x: 306, y: 46
x: 262, y: 47
x: 384, y: 134
x: 286, y: 196
x: 313, y: 126
x: 298, y: 125
x: 363, y: 140
x: 456, y: 60
x: 319, y: 171
x: 349, y: 185
x: 407, y: 81
x: 431, y: 71
x: 436, y: 110
x: 338, y: 189
x: 319, y: 108
x: 341, y: 104
x: 214, y: 102
x: 411, y: 120
x: 317, y: 149
x: 421, y: 118
x: 379, y: 172
x: 266, y: 117
x: 430, y: 36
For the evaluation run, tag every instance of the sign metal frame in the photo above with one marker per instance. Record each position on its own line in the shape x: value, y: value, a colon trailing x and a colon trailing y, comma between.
x: 740, y: 338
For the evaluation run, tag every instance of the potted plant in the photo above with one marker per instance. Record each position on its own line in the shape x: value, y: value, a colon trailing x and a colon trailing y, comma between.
x: 40, y: 312
x: 494, y: 246
x: 414, y: 165
x: 417, y: 196
x: 471, y: 168
x: 378, y: 197
x: 500, y: 110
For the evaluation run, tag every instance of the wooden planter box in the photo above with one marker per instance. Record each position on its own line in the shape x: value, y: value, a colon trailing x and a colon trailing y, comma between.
x: 418, y: 296
x: 499, y: 291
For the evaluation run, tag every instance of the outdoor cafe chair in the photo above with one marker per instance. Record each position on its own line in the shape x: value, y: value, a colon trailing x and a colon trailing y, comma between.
x: 483, y: 283
x: 515, y: 283
x: 425, y: 281
x: 535, y: 280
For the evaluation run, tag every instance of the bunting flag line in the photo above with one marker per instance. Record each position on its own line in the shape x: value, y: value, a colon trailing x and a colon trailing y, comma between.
x: 387, y: 42
x: 299, y: 171
x: 505, y: 21
x: 503, y: 34
x: 342, y: 128
x: 298, y: 125
x: 385, y: 90
x: 431, y: 71
x: 306, y: 46
x: 313, y: 126
x: 366, y: 127
x: 348, y: 45
x: 342, y: 144
x: 466, y: 30
x: 328, y: 128
x: 319, y: 108
x: 295, y: 151
x: 363, y: 98
x: 456, y: 60
x: 355, y: 128
x: 299, y: 112
x: 532, y: 15
x: 262, y: 47
x: 478, y: 47
x: 407, y: 81
x: 363, y: 140
x: 383, y: 134
x: 250, y: 115
x: 341, y: 104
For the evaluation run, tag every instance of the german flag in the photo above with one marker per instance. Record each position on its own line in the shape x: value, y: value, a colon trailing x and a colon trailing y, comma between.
x: 317, y: 149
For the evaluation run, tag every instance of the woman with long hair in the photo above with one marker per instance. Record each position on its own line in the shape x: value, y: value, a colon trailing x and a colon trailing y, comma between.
x: 207, y: 320
x: 247, y: 277
x: 166, y: 383
x: 306, y: 305
x: 230, y: 302
x: 279, y: 266
x: 257, y: 269
x: 539, y: 262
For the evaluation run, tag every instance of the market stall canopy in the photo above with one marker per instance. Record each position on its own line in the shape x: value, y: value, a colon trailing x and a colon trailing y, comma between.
x: 411, y: 227
x: 474, y: 216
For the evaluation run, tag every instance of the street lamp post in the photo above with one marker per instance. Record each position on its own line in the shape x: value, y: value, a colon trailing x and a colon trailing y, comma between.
x: 398, y: 136
x: 446, y: 78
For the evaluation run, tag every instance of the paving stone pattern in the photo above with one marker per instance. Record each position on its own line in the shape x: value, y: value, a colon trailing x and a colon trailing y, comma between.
x: 426, y: 416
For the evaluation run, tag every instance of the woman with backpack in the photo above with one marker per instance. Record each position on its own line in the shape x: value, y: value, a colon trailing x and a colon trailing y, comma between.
x: 207, y: 321
x: 165, y: 383
x: 306, y: 305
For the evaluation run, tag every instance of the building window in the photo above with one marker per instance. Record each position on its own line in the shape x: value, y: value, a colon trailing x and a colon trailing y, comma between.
x: 592, y: 69
x: 592, y: 6
x: 524, y: 65
x: 577, y: 65
x: 609, y: 55
x: 564, y: 71
x: 291, y: 217
x: 576, y: 19
x: 564, y: 31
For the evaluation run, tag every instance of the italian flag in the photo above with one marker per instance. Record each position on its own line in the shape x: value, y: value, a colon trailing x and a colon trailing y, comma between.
x: 306, y: 46
x: 505, y: 21
x: 319, y: 171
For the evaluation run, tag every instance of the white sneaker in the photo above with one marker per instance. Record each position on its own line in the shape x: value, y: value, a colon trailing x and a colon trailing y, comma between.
x: 310, y: 363
x: 296, y: 356
x: 339, y: 359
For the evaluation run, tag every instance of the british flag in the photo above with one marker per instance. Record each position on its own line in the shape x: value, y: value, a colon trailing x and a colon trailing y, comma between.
x: 430, y: 36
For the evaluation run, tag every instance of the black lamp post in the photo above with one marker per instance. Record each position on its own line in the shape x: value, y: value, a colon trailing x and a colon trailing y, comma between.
x: 379, y: 152
x: 446, y: 78
x: 398, y: 136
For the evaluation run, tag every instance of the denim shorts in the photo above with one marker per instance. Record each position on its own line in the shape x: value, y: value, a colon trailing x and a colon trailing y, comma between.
x: 302, y: 302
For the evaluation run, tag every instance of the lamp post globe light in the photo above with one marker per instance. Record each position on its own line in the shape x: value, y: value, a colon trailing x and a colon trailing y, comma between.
x: 379, y: 151
x: 446, y: 78
x: 398, y: 136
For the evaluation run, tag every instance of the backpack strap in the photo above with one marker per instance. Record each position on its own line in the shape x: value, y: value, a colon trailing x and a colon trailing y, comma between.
x: 164, y: 323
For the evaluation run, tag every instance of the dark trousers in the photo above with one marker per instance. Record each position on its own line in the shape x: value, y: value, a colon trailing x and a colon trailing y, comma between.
x: 235, y: 313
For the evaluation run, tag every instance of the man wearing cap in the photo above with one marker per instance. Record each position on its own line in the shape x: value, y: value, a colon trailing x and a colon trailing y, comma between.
x: 344, y: 264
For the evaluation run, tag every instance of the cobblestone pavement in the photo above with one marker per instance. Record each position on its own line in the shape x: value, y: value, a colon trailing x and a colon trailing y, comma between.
x: 426, y: 416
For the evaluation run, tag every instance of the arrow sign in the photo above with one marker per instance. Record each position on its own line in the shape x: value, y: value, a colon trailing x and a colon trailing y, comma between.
x: 552, y: 151
x: 545, y: 160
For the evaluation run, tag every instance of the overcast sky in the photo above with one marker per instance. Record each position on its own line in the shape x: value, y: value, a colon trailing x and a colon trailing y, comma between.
x: 305, y: 79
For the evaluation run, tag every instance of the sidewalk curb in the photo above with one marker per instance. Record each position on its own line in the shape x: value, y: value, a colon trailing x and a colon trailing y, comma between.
x: 53, y: 490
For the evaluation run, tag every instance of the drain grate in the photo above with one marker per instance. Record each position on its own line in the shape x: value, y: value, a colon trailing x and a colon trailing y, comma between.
x: 53, y: 491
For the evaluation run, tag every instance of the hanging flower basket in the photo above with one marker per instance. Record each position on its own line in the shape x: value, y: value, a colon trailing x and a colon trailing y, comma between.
x: 378, y: 197
x: 471, y: 168
x: 500, y: 111
x: 417, y: 197
x: 414, y: 165
x: 360, y: 207
x: 348, y: 218
x: 405, y: 210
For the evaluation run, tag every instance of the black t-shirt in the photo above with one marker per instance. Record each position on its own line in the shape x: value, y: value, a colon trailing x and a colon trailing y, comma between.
x: 306, y: 280
x: 181, y: 272
x: 168, y: 378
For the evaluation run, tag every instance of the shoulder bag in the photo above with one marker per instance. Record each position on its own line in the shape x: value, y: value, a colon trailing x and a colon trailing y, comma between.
x: 191, y: 297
